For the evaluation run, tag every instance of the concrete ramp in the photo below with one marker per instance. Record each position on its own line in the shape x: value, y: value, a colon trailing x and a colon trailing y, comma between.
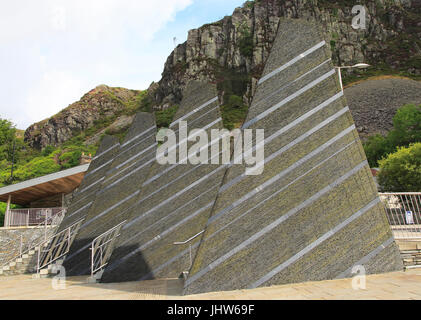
x: 314, y: 212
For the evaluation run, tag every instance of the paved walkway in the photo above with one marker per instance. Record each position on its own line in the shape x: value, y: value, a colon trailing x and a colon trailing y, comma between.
x: 396, y: 285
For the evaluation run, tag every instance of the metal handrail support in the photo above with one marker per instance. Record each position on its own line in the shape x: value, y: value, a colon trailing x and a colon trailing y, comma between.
x: 58, y: 245
x: 102, y: 246
x: 190, y: 249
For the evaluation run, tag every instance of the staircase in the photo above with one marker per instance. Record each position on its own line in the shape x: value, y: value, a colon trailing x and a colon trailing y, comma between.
x: 410, y: 253
x: 19, y: 265
x: 23, y: 251
x: 27, y: 263
x: 411, y: 258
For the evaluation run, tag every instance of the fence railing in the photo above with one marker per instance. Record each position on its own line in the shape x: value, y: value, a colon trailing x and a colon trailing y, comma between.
x: 30, y: 217
x: 102, y: 247
x: 56, y: 246
x: 190, y: 246
x: 27, y: 243
x: 403, y: 210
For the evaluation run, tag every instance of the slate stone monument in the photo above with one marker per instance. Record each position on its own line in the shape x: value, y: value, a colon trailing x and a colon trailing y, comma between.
x: 174, y: 205
x: 314, y: 212
x: 119, y: 191
x: 91, y: 183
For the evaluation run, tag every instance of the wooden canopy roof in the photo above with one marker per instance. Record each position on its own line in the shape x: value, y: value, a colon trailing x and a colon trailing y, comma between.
x: 42, y: 187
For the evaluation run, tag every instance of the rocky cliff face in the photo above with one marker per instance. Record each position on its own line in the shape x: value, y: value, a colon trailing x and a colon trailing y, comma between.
x: 96, y: 106
x: 232, y: 51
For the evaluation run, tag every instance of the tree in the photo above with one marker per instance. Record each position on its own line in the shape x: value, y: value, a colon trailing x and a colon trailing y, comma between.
x: 406, y: 126
x: 401, y: 171
x: 406, y: 130
x: 7, y: 136
x: 376, y: 147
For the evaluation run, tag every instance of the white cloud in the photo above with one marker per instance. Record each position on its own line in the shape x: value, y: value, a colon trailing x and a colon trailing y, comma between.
x: 55, y: 88
x: 54, y: 51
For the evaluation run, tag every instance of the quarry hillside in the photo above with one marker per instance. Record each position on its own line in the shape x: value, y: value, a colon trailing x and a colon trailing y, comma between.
x: 231, y: 53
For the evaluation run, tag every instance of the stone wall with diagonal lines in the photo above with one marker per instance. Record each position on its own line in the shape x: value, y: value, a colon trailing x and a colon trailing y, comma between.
x: 91, y: 183
x: 120, y: 189
x: 314, y: 212
x: 174, y: 204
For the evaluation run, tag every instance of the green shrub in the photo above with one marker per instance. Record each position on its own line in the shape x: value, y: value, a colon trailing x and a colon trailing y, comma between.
x: 47, y: 151
x: 406, y: 126
x: 377, y: 147
x: 401, y: 171
x: 37, y: 167
x: 246, y: 41
x: 164, y: 117
x: 406, y: 130
x: 70, y: 159
x: 233, y: 112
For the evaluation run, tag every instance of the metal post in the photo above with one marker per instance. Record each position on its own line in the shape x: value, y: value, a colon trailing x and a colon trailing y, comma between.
x: 45, y: 229
x: 191, y: 262
x: 340, y: 78
x: 92, y: 259
x: 21, y: 244
x: 38, y: 257
x: 68, y: 240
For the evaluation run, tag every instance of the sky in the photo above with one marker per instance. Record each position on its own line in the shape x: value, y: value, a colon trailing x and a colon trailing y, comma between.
x: 52, y: 52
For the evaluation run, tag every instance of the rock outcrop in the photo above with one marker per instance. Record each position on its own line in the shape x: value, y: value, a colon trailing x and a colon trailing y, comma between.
x: 97, y: 105
x: 231, y: 52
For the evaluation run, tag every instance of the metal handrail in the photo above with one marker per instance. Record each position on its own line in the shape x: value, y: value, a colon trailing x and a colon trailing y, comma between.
x: 58, y: 245
x: 403, y: 210
x: 190, y: 248
x: 30, y: 216
x: 101, y: 248
x: 55, y: 221
x: 190, y: 239
x: 400, y: 193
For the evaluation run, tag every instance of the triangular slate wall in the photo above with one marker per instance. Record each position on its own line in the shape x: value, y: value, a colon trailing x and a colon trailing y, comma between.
x: 91, y: 183
x: 314, y: 212
x: 174, y: 204
x: 119, y: 190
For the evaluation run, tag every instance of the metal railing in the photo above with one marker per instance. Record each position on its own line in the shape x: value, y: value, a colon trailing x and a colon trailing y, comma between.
x: 30, y: 217
x: 102, y: 247
x: 190, y: 248
x: 25, y: 244
x: 56, y: 246
x: 403, y: 211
